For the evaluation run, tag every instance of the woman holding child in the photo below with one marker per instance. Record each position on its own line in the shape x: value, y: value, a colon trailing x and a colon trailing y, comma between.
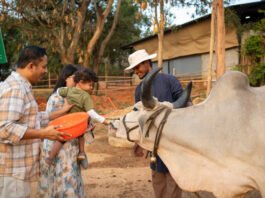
x: 60, y: 163
x: 63, y: 178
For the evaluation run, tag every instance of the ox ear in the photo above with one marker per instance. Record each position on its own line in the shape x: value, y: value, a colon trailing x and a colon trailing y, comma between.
x: 146, y: 97
x: 184, y: 98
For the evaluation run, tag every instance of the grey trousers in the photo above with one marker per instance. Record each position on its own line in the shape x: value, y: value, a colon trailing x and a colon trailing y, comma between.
x: 165, y: 186
x: 14, y: 188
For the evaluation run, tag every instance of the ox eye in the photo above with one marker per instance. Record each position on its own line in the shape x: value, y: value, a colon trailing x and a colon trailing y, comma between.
x: 135, y: 109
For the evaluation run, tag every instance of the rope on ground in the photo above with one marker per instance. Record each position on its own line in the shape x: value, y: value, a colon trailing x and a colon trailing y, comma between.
x: 111, y: 102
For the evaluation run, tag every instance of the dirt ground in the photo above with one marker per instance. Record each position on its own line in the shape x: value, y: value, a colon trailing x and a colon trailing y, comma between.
x: 115, y: 171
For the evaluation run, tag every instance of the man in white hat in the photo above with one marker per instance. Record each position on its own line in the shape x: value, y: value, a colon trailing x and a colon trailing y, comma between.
x: 165, y: 87
x: 138, y: 58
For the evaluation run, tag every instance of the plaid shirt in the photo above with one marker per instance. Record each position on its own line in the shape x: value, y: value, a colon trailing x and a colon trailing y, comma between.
x: 19, y: 112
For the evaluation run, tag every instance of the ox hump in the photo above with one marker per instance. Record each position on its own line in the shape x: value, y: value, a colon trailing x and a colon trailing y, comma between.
x: 231, y: 83
x: 233, y: 80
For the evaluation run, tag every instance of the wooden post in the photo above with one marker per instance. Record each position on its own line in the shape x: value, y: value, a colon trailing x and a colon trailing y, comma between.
x: 220, y: 39
x: 160, y: 32
x: 106, y: 63
x: 49, y: 79
x: 213, y: 23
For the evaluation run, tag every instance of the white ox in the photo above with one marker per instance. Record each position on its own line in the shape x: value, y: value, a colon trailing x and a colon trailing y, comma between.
x: 216, y: 146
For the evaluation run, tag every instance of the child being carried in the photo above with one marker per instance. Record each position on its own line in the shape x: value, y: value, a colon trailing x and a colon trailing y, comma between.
x: 79, y: 96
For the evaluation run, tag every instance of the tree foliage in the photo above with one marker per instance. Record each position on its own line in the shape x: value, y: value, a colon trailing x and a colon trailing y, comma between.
x: 128, y: 29
x: 13, y: 39
x: 257, y: 75
x: 71, y: 30
x: 254, y: 48
x: 160, y: 18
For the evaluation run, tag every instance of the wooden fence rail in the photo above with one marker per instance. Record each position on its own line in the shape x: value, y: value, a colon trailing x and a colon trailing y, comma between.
x: 109, y: 81
x: 115, y: 82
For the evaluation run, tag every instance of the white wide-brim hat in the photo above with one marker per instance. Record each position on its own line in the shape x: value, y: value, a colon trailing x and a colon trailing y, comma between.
x: 137, y: 57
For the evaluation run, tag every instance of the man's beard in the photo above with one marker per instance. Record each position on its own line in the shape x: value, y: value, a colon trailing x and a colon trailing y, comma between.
x: 143, y: 76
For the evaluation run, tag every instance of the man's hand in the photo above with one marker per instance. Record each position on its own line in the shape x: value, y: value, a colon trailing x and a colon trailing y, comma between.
x: 51, y: 133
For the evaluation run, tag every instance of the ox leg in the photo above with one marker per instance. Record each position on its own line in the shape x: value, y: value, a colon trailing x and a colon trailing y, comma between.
x: 262, y: 193
x: 197, y: 195
x: 252, y: 194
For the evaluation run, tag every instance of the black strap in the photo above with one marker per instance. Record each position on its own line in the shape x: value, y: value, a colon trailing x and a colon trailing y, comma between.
x: 127, y: 129
x: 159, y: 131
x: 152, y: 118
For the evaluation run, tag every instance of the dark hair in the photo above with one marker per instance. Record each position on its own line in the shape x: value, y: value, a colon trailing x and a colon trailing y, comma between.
x: 86, y: 75
x: 150, y: 63
x: 67, y: 71
x: 30, y: 54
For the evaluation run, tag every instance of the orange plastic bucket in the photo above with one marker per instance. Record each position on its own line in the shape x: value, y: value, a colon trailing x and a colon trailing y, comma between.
x: 74, y: 124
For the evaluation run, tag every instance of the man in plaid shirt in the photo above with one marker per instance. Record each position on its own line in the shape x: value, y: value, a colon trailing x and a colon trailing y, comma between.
x: 20, y: 124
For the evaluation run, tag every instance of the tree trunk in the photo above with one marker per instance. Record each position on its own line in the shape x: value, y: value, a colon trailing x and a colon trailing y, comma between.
x: 77, y: 30
x: 220, y: 39
x: 65, y: 49
x: 101, y: 17
x: 90, y: 47
x: 66, y: 58
x: 106, y: 64
x: 161, y: 34
x: 107, y: 39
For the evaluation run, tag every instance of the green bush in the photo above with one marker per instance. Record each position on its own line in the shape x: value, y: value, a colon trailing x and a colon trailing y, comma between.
x: 238, y: 68
x: 257, y: 75
x: 254, y: 46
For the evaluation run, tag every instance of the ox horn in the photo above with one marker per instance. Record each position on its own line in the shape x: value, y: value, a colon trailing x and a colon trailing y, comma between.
x: 146, y: 96
x: 184, y: 98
